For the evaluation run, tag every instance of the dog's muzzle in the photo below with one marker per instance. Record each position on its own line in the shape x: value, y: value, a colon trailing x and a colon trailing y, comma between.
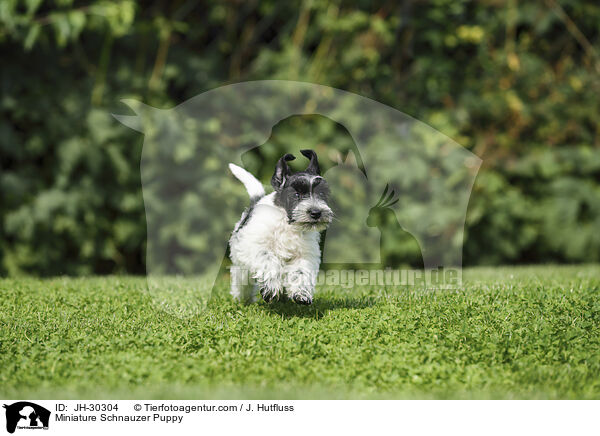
x: 315, y: 219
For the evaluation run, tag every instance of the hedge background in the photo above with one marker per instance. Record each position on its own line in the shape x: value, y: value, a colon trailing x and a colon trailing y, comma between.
x: 517, y: 83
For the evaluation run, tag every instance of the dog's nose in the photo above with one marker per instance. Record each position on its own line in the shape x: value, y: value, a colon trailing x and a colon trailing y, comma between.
x: 315, y: 213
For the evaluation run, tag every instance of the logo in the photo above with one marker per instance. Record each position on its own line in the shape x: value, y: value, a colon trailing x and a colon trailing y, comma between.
x: 421, y: 177
x: 26, y: 415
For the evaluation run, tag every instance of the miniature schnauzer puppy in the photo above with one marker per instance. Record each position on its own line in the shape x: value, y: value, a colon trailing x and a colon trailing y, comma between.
x: 276, y: 241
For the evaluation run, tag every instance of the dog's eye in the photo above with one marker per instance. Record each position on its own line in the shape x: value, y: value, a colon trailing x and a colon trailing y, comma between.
x: 297, y: 195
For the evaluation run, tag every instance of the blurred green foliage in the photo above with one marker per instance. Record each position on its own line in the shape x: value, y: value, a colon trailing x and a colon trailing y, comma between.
x: 516, y: 83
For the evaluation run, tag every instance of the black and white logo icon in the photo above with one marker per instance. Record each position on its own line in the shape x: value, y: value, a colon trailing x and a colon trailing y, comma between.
x: 26, y: 415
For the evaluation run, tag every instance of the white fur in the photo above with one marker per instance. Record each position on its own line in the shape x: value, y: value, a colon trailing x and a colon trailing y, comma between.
x: 280, y: 256
x: 253, y: 186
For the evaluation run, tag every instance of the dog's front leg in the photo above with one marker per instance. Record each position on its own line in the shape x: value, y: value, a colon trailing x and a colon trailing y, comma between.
x: 300, y: 278
x: 268, y: 276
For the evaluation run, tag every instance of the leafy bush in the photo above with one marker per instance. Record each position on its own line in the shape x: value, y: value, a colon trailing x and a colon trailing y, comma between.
x: 516, y: 83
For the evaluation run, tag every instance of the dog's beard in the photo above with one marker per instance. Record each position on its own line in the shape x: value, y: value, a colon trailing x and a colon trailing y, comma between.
x: 317, y: 227
x: 301, y: 216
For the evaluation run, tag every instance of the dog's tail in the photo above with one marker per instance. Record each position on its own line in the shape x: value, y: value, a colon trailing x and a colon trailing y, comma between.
x: 255, y: 189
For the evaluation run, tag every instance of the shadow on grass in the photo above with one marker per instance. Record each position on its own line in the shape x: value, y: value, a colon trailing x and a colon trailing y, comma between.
x: 287, y: 309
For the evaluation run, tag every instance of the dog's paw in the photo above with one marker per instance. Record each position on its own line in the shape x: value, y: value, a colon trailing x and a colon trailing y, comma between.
x: 302, y: 299
x: 269, y: 295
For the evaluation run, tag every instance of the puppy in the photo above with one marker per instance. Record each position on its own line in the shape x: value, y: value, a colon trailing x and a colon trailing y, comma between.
x: 275, y: 245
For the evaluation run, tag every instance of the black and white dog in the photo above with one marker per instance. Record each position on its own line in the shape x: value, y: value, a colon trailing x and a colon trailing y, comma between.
x: 275, y: 245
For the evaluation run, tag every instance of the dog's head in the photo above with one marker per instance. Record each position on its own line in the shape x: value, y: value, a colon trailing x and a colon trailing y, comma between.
x: 304, y: 194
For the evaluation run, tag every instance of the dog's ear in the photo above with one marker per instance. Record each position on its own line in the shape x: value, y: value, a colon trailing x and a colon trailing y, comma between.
x: 282, y: 171
x: 313, y: 166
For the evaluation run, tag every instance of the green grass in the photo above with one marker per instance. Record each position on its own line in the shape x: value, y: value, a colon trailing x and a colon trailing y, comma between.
x: 508, y: 333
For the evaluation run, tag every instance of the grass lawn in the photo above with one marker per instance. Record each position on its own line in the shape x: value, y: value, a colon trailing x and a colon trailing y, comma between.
x: 527, y: 332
